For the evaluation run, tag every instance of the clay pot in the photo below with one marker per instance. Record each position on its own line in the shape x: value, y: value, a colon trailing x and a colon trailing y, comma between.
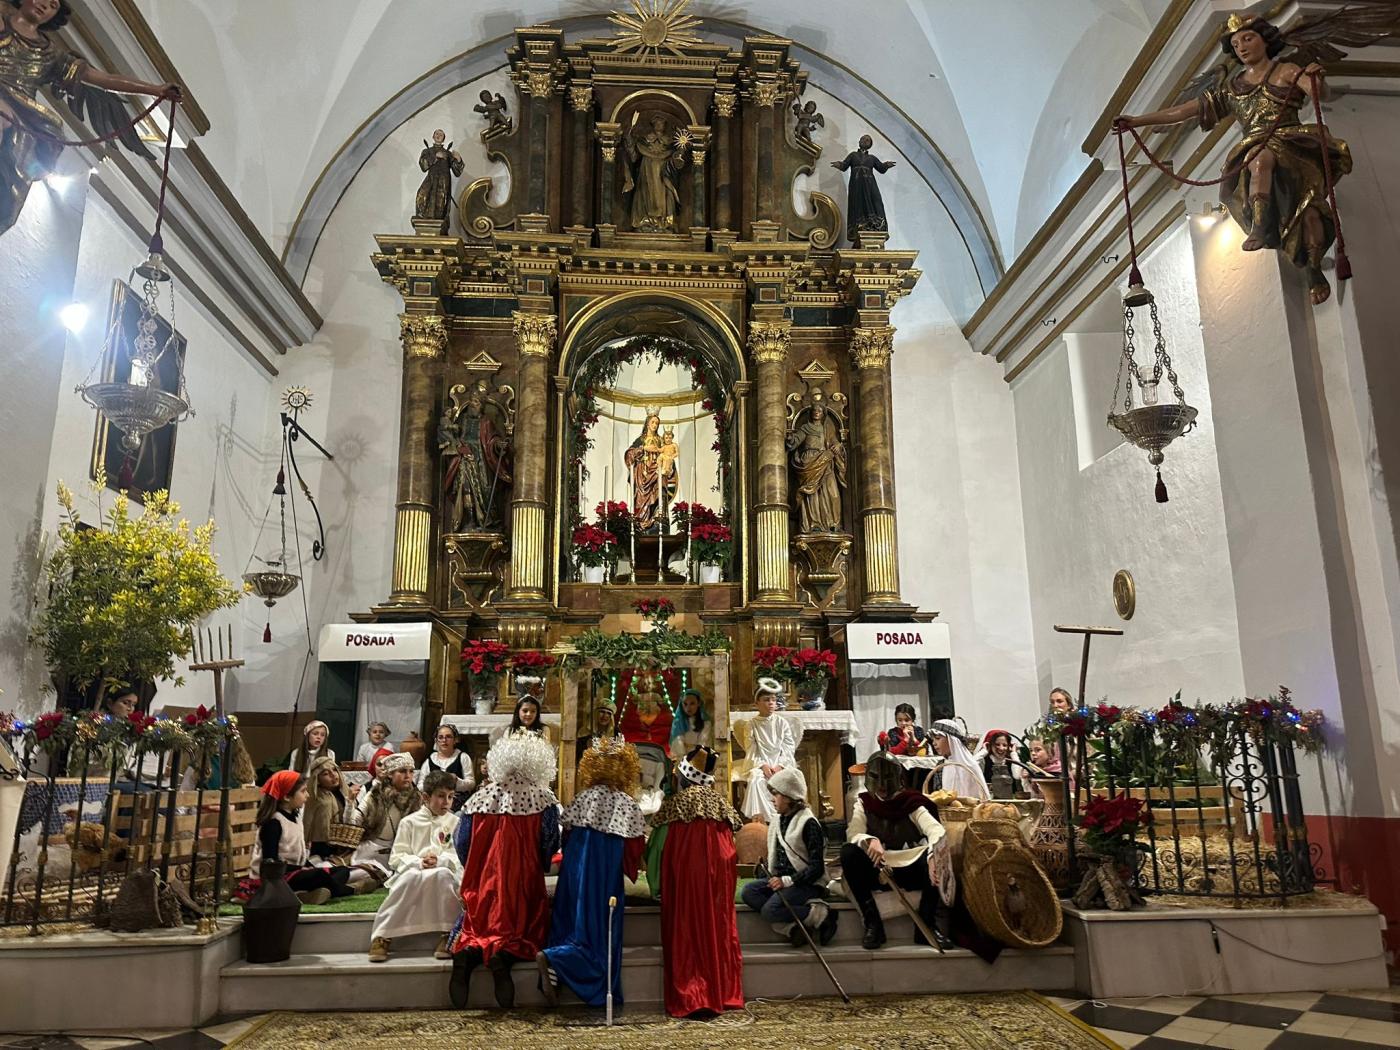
x: 751, y: 842
x: 415, y: 746
x: 1049, y: 837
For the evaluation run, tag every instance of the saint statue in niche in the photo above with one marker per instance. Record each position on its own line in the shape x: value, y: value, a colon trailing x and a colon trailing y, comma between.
x: 819, y: 461
x: 441, y: 162
x: 653, y: 161
x: 865, y: 208
x: 652, y: 474
x: 478, y: 458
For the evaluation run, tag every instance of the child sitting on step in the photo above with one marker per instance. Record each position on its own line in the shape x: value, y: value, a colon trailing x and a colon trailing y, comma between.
x: 380, y: 809
x: 426, y: 873
x: 378, y: 733
x: 281, y: 843
x: 796, y: 869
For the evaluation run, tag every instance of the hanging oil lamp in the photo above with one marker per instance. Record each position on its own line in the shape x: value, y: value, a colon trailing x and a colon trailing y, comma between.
x: 1154, y: 424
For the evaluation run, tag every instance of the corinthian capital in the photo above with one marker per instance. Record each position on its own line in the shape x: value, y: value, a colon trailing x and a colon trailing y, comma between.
x: 725, y: 102
x: 581, y: 99
x: 768, y: 340
x: 534, y: 333
x: 423, y: 335
x: 871, y: 347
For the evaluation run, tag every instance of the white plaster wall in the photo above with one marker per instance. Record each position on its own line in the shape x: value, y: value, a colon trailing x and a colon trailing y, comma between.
x: 219, y: 462
x: 37, y: 257
x: 1083, y: 525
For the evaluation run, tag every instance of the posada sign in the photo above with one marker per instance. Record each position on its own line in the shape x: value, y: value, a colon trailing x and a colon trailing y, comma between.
x: 897, y: 641
x: 342, y: 642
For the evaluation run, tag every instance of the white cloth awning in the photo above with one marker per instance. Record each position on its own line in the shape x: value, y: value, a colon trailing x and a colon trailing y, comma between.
x: 898, y: 641
x: 363, y: 642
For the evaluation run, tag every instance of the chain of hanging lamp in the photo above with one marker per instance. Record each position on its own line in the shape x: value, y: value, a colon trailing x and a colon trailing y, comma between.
x: 1151, y: 426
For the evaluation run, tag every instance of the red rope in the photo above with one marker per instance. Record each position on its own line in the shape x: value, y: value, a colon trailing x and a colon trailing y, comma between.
x: 1343, y: 263
x: 101, y: 139
x: 156, y: 245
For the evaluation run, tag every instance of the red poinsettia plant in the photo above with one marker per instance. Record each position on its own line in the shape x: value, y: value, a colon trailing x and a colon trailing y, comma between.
x: 684, y: 514
x: 485, y: 656
x: 813, y: 665
x: 1111, y: 825
x: 614, y: 516
x: 531, y: 660
x: 593, y: 545
x: 712, y: 544
x: 659, y: 609
x: 775, y: 661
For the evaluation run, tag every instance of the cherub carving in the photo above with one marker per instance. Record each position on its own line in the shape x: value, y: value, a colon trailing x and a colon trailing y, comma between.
x: 807, y: 119
x: 493, y: 108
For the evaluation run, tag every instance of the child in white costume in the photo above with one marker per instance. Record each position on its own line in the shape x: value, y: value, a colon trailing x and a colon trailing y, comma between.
x: 770, y: 745
x: 426, y: 872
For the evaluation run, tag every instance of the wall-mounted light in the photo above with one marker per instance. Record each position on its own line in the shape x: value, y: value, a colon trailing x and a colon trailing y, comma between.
x: 56, y: 182
x: 74, y: 316
x: 1210, y: 213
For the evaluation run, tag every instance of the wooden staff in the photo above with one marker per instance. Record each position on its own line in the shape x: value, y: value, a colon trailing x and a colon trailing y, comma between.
x: 888, y: 879
x: 808, y: 935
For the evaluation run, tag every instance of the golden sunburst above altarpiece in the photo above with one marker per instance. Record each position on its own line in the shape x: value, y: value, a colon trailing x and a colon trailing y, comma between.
x: 653, y: 25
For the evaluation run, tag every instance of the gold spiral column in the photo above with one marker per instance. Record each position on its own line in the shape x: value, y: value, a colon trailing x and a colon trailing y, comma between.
x: 534, y: 339
x: 768, y: 343
x: 424, y: 339
x: 870, y: 352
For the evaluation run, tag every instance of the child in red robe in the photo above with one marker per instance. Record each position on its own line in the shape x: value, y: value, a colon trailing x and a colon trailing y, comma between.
x: 506, y: 838
x: 692, y: 866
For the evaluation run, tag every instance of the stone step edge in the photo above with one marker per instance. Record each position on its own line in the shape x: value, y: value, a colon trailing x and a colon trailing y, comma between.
x: 631, y: 956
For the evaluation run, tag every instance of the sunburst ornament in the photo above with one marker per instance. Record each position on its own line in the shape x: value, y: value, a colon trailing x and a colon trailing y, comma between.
x: 296, y: 398
x: 653, y: 25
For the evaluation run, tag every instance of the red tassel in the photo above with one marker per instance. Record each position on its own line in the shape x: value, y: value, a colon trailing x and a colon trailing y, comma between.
x: 125, y: 477
x: 267, y: 631
x: 1161, y: 487
x: 1343, y: 266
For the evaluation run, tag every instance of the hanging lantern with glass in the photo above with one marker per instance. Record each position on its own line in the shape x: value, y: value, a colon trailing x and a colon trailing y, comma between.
x: 139, y: 406
x: 1154, y: 424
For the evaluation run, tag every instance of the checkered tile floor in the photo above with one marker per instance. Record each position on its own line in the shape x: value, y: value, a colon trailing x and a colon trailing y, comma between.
x: 1361, y: 1020
x: 1358, y: 1020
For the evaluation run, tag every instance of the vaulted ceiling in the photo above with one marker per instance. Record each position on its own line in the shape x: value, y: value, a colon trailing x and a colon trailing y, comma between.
x: 1001, y: 91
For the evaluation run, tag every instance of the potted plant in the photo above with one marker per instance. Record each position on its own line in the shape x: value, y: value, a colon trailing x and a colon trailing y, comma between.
x: 594, y: 549
x: 658, y: 610
x: 529, y: 669
x: 712, y: 546
x: 483, y: 660
x: 123, y: 594
x: 811, y: 672
x: 615, y: 516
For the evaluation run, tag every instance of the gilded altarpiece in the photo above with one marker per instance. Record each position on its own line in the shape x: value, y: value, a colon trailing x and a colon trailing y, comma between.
x: 650, y: 212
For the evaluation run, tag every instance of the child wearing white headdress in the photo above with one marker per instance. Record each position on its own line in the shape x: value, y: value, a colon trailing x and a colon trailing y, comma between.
x: 960, y: 772
x: 770, y: 744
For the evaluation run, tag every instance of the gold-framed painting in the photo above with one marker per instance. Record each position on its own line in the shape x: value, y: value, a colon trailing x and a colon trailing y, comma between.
x: 151, y: 467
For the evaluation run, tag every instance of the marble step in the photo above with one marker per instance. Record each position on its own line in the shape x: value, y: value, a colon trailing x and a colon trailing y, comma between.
x: 412, y: 981
x: 330, y: 934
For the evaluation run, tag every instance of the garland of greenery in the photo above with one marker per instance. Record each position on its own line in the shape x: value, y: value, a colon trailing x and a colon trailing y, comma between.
x: 601, y: 371
x: 655, y: 650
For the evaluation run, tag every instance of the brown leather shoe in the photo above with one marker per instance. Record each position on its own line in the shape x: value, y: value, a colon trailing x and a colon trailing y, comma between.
x: 379, y: 950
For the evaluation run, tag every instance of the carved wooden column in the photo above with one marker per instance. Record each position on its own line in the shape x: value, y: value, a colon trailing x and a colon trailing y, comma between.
x: 700, y: 142
x: 534, y: 339
x: 424, y: 339
x: 724, y: 205
x: 609, y: 134
x: 768, y: 344
x: 870, y: 353
x: 766, y: 94
x: 581, y: 102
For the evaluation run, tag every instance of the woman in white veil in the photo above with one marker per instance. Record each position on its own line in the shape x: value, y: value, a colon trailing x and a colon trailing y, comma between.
x: 960, y: 771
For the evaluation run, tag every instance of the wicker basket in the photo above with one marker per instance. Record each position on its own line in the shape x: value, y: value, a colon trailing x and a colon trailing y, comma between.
x: 1007, y: 893
x: 346, y: 836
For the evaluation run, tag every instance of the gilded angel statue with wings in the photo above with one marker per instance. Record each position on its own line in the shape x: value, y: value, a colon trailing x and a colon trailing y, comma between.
x: 30, y: 59
x: 1276, y: 178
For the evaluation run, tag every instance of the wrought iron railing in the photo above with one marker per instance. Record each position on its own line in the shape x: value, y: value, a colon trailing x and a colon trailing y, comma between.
x: 118, y: 810
x: 1221, y: 785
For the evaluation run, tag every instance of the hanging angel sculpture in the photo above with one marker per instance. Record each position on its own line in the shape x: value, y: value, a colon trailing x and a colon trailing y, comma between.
x: 1275, y: 179
x: 29, y: 131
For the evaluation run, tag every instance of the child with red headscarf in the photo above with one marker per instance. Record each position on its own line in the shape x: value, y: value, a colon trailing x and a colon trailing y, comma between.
x: 281, y: 849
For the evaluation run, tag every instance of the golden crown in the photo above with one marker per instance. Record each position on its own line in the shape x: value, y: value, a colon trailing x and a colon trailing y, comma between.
x: 1237, y: 22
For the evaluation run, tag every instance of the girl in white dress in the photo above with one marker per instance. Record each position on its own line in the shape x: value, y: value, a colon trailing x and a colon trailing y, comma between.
x: 771, y: 746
